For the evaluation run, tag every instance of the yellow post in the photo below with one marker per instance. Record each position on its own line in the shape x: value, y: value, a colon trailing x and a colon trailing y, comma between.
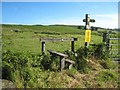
x: 87, y: 35
x: 87, y: 27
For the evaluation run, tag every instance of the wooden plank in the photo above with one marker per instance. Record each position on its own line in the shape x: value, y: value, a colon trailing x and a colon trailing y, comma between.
x: 70, y: 66
x: 57, y: 53
x: 114, y: 44
x: 70, y: 61
x: 57, y: 39
x: 114, y: 38
x: 62, y: 64
x: 54, y: 39
x: 114, y: 49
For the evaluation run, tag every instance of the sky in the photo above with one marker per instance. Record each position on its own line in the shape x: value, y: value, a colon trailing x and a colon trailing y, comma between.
x: 60, y: 0
x: 68, y: 13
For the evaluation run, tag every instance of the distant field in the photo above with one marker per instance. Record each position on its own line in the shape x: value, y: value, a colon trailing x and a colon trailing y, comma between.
x: 21, y: 38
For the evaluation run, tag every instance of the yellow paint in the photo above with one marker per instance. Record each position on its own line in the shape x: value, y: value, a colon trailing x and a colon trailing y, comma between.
x: 87, y: 35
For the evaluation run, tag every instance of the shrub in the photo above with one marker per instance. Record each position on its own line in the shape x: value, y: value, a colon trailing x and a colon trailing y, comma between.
x: 71, y: 55
x: 100, y: 51
x: 83, y: 52
x: 55, y: 63
x: 6, y: 71
x: 81, y: 61
x: 46, y: 62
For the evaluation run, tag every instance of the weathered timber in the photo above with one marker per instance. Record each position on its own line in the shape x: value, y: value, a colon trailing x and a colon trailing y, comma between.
x: 43, y: 46
x: 57, y: 53
x: 62, y: 63
x: 70, y: 61
x: 105, y: 37
x: 72, y: 45
x: 63, y: 59
x: 109, y: 46
x: 114, y: 44
x: 114, y: 38
x: 57, y: 39
x: 54, y: 39
x: 43, y: 40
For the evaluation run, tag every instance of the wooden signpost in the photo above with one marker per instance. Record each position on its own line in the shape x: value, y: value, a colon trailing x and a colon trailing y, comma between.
x: 88, y: 31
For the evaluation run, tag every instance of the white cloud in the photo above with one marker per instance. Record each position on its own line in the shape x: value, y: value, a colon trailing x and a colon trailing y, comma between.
x: 103, y: 20
x: 107, y: 20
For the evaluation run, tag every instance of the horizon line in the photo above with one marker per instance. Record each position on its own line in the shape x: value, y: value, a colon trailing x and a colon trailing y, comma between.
x: 54, y: 24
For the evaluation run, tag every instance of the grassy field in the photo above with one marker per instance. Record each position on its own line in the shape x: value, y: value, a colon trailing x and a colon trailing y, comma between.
x: 22, y: 58
x: 27, y: 38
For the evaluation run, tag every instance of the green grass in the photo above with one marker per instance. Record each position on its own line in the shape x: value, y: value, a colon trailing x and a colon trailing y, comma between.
x: 27, y: 42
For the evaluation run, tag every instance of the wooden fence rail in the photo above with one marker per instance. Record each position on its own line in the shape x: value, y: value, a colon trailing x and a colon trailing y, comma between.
x: 106, y: 40
x: 63, y: 59
x: 44, y: 40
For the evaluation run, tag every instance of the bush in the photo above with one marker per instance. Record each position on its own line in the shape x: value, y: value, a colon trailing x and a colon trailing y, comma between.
x: 100, y: 51
x: 71, y: 55
x: 83, y: 52
x: 81, y: 61
x: 17, y: 67
x: 55, y: 63
x: 46, y: 62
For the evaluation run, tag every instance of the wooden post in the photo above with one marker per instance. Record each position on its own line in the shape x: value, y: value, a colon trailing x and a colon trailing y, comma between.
x: 72, y: 44
x: 87, y: 27
x: 62, y: 63
x: 104, y: 37
x: 43, y: 47
x: 70, y: 66
x: 108, y: 43
x: 87, y: 21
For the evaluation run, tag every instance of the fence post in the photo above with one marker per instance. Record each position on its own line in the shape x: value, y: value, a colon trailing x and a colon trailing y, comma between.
x: 72, y: 44
x: 104, y: 37
x: 62, y: 63
x: 108, y: 43
x: 43, y: 47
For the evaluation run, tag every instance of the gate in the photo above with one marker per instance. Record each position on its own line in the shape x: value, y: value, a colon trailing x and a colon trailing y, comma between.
x: 112, y: 44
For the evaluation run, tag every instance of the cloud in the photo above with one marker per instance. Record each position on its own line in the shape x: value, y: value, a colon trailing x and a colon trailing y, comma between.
x: 107, y: 20
x: 102, y: 20
x: 65, y: 21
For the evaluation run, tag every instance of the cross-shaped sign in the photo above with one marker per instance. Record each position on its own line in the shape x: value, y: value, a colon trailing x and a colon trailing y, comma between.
x: 87, y: 27
x: 87, y: 21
